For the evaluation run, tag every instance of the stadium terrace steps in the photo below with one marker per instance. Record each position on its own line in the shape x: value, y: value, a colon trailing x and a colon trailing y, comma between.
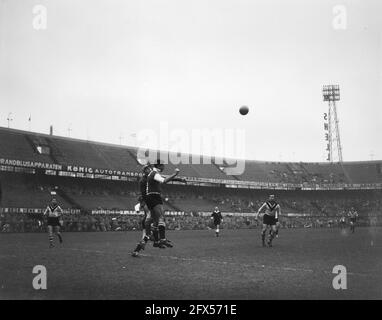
x: 111, y: 202
x: 364, y: 173
x: 221, y: 170
x: 256, y: 171
x: 72, y: 202
x: 133, y: 157
x: 25, y: 191
x: 79, y: 153
x: 21, y: 145
x: 16, y: 146
x: 117, y: 158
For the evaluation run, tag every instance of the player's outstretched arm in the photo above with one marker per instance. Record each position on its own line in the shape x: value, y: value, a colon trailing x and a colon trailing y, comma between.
x: 169, y: 178
x: 180, y: 180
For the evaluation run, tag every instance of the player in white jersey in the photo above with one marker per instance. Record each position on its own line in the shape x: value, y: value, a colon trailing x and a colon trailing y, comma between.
x: 54, y: 220
x: 270, y: 218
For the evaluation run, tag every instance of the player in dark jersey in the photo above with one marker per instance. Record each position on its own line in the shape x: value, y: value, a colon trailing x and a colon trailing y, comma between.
x: 272, y: 212
x: 353, y: 215
x: 218, y: 219
x: 146, y: 221
x: 142, y: 206
x: 54, y: 220
x: 155, y: 204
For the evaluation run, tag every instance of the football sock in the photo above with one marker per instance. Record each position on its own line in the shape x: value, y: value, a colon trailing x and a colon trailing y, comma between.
x: 148, y: 227
x: 162, y: 232
x: 155, y: 233
x: 50, y: 233
x: 138, y: 247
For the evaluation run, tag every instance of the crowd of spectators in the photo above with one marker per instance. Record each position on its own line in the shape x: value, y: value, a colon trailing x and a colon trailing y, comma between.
x: 315, y: 204
x: 321, y: 208
x: 22, y: 222
x: 299, y: 174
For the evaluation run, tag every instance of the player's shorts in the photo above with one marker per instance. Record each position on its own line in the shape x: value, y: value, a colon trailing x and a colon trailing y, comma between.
x: 269, y: 220
x: 54, y: 221
x: 153, y: 200
x: 143, y: 201
x: 217, y: 223
x: 353, y: 220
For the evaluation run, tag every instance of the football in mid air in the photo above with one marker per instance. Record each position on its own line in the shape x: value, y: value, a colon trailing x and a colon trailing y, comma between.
x: 243, y: 110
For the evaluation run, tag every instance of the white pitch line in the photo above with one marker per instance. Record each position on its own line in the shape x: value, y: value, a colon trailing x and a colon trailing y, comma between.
x: 253, y: 265
x: 229, y: 263
x: 84, y: 250
x: 7, y: 256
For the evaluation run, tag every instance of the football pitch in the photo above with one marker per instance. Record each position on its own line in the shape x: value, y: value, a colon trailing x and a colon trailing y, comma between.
x: 200, y: 266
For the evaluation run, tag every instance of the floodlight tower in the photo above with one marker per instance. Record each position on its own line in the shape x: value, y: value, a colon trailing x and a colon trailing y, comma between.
x: 331, y: 94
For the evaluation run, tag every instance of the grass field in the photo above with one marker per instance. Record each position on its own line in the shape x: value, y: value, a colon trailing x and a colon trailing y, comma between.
x: 200, y: 266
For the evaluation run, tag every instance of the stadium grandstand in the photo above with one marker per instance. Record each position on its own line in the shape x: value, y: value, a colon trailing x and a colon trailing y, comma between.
x: 96, y: 185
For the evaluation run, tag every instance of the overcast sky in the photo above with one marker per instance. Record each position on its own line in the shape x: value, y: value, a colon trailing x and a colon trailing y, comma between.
x: 108, y: 69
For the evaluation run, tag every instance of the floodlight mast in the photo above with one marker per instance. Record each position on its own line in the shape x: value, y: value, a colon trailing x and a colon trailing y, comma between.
x: 331, y: 94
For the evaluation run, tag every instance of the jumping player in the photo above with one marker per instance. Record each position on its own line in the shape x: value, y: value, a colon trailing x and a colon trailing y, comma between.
x: 146, y: 220
x: 272, y: 211
x: 155, y: 204
x: 353, y: 215
x: 218, y: 219
x: 54, y: 221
